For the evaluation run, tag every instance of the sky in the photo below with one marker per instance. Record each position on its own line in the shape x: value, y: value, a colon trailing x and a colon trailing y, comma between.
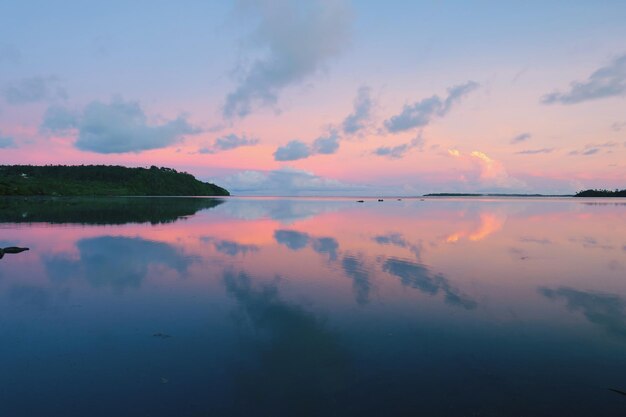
x: 324, y: 97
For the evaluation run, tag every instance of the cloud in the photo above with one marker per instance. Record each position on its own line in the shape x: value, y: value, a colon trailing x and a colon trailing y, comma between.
x: 522, y: 137
x: 493, y: 173
x: 296, y: 149
x: 287, y: 181
x: 292, y: 151
x: 422, y: 112
x: 361, y: 113
x: 488, y: 175
x: 58, y: 119
x: 297, y: 38
x: 326, y: 145
x: 399, y: 151
x: 618, y: 126
x: 6, y: 142
x: 117, y: 127
x: 228, y: 142
x: 33, y: 90
x: 594, y: 148
x: 535, y: 151
x: 605, y: 82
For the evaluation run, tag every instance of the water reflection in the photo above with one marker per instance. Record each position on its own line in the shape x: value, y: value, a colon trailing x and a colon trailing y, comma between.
x: 11, y: 250
x: 355, y: 269
x: 605, y: 310
x: 300, y: 366
x: 419, y: 277
x: 116, y: 262
x: 286, y: 210
x: 103, y: 210
x: 295, y: 240
x: 396, y: 239
x: 37, y: 298
x: 292, y: 239
x: 230, y: 247
x: 314, y: 307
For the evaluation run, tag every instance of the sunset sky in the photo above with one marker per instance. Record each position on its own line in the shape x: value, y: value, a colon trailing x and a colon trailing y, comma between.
x: 322, y: 97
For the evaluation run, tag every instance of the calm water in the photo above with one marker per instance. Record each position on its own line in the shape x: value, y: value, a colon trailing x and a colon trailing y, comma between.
x: 270, y: 307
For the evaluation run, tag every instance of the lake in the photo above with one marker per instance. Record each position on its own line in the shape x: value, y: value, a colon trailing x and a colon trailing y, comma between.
x: 313, y: 307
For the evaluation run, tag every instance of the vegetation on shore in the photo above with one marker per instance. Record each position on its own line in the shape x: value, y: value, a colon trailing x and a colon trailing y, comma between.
x: 601, y: 193
x: 101, y: 180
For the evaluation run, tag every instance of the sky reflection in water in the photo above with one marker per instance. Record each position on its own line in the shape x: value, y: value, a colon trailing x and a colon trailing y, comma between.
x: 440, y: 307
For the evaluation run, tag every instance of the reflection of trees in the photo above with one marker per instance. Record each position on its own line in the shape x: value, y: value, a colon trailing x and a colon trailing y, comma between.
x: 605, y: 310
x: 102, y: 210
x: 419, y: 277
x: 115, y: 261
x: 11, y: 250
x: 302, y: 368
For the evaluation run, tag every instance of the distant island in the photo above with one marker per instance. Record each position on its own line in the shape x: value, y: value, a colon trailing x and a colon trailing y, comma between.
x: 493, y: 195
x: 601, y: 193
x: 101, y: 180
x: 586, y: 193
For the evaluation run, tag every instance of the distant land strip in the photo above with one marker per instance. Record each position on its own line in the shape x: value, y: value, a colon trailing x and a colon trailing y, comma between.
x: 101, y: 180
x: 586, y: 193
x: 494, y: 195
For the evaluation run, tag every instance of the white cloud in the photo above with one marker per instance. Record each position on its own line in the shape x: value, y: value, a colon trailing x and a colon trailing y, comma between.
x: 286, y: 181
x: 485, y: 174
x: 297, y: 38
